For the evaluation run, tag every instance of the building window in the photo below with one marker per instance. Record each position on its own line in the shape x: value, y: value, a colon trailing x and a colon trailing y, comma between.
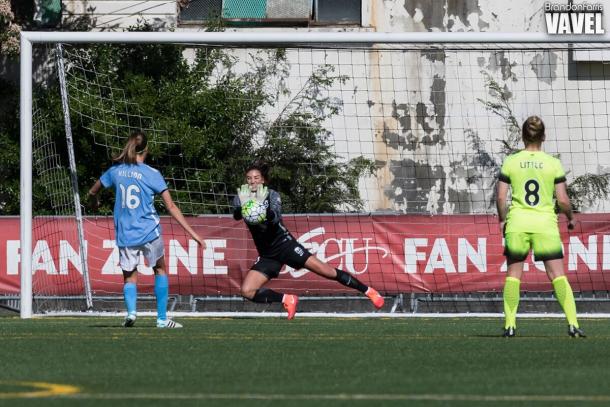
x: 273, y: 12
x: 338, y: 12
x: 197, y: 11
x: 48, y: 13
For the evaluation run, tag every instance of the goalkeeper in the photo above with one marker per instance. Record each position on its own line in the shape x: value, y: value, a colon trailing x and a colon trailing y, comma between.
x: 531, y: 222
x: 277, y: 247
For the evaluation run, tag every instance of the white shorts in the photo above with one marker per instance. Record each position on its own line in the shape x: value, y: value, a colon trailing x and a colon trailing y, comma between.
x: 129, y: 257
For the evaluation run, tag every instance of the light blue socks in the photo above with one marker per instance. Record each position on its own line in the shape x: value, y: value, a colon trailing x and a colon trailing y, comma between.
x: 161, y: 292
x: 130, y: 293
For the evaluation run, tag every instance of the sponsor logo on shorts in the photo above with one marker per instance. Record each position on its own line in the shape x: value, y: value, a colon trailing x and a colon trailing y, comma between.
x: 299, y: 251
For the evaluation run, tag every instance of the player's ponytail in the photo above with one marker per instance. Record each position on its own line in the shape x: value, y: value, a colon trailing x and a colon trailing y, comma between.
x: 260, y: 166
x: 533, y: 130
x: 136, y: 144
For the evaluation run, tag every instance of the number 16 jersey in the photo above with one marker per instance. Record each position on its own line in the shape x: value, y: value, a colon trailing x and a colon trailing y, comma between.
x: 532, y: 176
x: 136, y: 221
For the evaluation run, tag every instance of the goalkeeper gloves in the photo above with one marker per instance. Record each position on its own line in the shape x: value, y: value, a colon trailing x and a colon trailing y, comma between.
x: 261, y: 193
x: 246, y: 195
x: 243, y: 193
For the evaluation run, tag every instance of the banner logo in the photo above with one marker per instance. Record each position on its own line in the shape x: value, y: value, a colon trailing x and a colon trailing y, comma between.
x: 344, y: 251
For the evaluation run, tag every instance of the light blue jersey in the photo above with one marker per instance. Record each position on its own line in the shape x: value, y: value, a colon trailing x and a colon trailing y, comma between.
x: 136, y: 221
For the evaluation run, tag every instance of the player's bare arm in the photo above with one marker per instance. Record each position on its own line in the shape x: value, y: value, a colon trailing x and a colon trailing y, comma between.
x: 176, y: 213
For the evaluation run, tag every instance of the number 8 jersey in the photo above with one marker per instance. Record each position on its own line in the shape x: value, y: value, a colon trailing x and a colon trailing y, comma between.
x: 136, y: 221
x: 532, y: 176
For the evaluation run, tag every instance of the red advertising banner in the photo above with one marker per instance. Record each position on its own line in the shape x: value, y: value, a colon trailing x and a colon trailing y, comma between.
x: 394, y: 253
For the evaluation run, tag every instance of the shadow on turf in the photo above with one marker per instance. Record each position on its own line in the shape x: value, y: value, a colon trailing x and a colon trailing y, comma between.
x: 499, y: 336
x: 119, y: 326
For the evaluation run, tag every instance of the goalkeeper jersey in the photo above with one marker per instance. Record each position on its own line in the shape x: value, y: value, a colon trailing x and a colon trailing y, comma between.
x: 532, y: 176
x: 270, y: 234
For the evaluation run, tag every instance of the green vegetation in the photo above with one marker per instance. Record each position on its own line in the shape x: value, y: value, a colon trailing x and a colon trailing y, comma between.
x: 9, y: 149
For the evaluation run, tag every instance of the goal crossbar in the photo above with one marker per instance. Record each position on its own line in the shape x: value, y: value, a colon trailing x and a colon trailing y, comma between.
x: 306, y: 38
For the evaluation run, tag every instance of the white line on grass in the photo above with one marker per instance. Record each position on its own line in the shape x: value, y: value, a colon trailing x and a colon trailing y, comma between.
x: 339, y: 396
x: 318, y: 315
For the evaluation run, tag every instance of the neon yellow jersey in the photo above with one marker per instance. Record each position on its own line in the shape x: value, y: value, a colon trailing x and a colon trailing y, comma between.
x: 532, y: 176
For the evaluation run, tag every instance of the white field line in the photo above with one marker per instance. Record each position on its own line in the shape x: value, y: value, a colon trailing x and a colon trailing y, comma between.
x: 318, y: 315
x: 43, y: 390
x: 339, y: 396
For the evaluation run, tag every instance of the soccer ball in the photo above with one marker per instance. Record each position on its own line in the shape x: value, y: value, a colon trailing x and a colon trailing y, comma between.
x: 254, y: 212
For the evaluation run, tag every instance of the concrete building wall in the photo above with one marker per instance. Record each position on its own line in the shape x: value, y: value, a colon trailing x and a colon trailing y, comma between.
x: 118, y: 14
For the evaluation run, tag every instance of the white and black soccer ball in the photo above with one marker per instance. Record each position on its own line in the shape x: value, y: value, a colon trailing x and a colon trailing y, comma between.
x: 254, y: 212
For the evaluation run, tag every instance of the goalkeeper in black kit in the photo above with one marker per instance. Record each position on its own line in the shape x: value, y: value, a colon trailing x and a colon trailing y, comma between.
x: 277, y: 247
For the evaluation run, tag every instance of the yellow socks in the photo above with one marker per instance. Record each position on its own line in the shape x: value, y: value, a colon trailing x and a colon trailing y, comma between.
x: 511, y: 301
x: 565, y: 296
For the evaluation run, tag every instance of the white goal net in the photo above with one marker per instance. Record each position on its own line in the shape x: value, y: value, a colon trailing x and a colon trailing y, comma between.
x: 386, y: 155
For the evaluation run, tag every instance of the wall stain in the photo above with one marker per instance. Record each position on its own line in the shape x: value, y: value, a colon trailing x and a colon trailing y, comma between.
x: 444, y: 17
x: 461, y: 10
x: 438, y: 99
x: 405, y: 118
x: 392, y: 139
x: 413, y: 182
x: 499, y: 62
x: 544, y: 66
x: 433, y: 15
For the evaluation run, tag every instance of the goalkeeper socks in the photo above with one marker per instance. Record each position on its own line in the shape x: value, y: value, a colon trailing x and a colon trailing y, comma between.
x: 265, y: 296
x: 130, y: 293
x: 350, y: 281
x: 161, y: 292
x: 511, y: 301
x: 565, y: 296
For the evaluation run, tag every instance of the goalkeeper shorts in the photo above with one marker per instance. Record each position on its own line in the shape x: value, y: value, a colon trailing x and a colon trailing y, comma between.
x: 288, y: 252
x: 546, y: 246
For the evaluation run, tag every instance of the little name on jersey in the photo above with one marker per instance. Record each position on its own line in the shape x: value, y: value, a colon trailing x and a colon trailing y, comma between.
x: 530, y: 164
x: 130, y: 174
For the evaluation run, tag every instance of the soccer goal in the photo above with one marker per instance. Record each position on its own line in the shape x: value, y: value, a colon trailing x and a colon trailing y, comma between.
x: 385, y: 149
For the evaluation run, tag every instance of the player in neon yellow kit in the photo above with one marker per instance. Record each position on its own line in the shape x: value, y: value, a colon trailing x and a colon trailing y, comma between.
x: 531, y: 222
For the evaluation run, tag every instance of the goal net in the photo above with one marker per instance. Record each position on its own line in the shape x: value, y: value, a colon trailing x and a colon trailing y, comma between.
x: 386, y: 156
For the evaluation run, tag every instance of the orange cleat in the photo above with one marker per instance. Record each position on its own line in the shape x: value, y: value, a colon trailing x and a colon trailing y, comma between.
x: 375, y: 297
x: 290, y: 304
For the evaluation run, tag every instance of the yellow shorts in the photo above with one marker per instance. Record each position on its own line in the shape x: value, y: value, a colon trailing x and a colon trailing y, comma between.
x: 546, y: 246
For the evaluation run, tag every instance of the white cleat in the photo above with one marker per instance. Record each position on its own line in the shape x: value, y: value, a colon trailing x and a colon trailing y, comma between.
x: 168, y: 323
x: 130, y: 320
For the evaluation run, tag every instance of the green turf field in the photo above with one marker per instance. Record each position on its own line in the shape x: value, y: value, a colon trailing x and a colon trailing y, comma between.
x: 308, y: 362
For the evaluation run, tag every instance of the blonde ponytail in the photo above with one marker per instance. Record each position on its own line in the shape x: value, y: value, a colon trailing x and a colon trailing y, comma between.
x: 136, y: 145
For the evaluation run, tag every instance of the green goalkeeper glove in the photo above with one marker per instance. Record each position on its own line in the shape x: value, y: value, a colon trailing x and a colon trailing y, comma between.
x: 243, y: 193
x: 261, y: 193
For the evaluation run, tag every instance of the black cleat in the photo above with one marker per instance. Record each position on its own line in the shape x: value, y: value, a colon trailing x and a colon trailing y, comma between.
x: 509, y: 332
x: 576, y: 332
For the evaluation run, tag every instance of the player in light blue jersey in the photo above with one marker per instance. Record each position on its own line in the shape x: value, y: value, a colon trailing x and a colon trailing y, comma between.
x: 136, y: 222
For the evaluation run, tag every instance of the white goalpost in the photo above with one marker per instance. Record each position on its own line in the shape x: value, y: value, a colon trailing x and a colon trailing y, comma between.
x: 435, y: 113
